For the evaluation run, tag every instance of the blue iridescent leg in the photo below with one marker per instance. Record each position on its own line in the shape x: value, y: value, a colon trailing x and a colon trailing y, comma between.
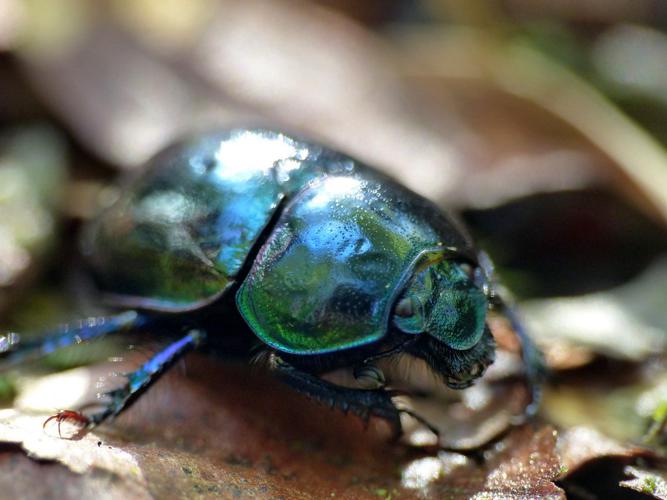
x: 140, y: 380
x: 14, y: 350
x: 535, y: 367
x: 533, y: 360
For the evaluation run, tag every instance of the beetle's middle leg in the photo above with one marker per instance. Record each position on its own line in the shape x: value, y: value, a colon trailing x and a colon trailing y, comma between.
x: 364, y: 403
x: 14, y: 350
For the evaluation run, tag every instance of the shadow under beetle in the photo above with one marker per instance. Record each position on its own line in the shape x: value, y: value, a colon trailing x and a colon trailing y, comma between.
x: 330, y: 263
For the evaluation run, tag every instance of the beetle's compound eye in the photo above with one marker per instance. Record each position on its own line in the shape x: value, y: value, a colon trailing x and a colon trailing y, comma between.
x: 477, y: 275
x: 405, y: 308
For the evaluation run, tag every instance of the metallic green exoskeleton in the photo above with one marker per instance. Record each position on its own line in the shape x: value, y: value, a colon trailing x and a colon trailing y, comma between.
x: 331, y: 264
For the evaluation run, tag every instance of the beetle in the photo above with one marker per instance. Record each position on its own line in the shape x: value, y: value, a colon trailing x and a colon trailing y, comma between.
x: 329, y: 263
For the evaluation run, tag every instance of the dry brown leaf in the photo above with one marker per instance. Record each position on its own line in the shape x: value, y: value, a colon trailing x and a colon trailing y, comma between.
x: 222, y: 430
x: 579, y: 445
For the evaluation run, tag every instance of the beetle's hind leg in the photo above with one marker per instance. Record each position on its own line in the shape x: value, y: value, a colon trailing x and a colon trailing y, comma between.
x: 138, y: 381
x: 117, y: 400
x: 364, y: 403
x: 14, y: 350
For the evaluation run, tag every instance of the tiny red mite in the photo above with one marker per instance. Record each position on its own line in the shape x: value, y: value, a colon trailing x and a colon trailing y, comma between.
x: 67, y: 415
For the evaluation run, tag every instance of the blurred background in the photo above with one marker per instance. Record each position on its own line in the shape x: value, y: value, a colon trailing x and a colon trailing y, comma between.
x: 543, y: 124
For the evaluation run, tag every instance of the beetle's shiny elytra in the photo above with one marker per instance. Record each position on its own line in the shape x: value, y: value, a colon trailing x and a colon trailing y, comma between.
x: 332, y: 264
x: 342, y: 244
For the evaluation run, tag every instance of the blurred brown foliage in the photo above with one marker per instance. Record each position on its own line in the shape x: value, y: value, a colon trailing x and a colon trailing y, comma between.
x: 542, y: 123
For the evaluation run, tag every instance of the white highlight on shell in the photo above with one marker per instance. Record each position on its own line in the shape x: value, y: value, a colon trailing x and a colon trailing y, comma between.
x: 249, y: 152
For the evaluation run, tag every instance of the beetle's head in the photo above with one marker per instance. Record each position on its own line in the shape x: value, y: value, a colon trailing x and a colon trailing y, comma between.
x: 445, y: 304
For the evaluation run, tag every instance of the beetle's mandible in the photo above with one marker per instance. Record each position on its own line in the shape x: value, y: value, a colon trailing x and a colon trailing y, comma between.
x: 330, y: 263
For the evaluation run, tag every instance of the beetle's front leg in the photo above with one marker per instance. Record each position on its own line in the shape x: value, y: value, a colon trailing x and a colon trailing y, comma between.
x: 535, y: 367
x: 364, y: 403
x: 533, y: 359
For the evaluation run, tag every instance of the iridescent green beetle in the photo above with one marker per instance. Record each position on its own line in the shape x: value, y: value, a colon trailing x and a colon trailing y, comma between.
x: 331, y: 264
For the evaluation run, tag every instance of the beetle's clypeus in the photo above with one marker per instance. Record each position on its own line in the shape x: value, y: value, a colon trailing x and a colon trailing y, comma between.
x: 330, y: 263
